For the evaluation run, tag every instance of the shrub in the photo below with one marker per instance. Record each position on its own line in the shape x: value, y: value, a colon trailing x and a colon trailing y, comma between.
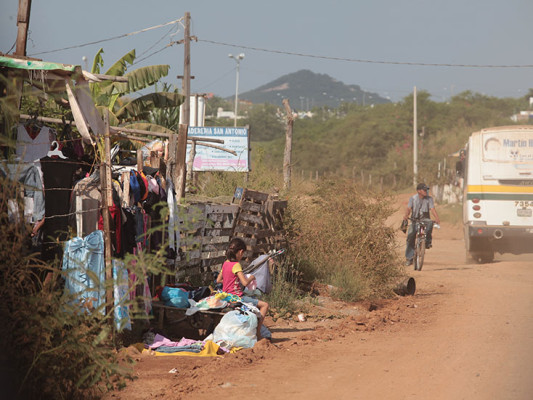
x: 338, y: 234
x: 51, y: 347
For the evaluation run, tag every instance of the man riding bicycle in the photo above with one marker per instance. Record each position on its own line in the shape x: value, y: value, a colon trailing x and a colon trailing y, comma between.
x: 419, y: 207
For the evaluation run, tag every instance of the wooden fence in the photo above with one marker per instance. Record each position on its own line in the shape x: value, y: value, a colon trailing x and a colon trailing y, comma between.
x: 207, y: 228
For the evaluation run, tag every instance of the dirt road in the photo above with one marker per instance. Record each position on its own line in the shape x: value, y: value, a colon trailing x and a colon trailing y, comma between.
x: 466, y: 334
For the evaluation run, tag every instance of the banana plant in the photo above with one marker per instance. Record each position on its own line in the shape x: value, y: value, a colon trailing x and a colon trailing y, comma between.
x: 124, y: 109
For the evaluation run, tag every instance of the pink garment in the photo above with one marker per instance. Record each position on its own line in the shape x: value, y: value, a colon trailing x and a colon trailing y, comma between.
x: 230, y: 281
x: 160, y: 340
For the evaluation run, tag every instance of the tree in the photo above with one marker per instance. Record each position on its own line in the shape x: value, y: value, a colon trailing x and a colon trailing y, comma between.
x: 264, y: 122
x: 125, y: 110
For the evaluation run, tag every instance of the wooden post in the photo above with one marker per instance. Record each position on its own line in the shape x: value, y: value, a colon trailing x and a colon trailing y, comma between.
x: 107, y: 201
x: 179, y: 177
x: 172, y: 144
x: 192, y: 154
x: 126, y: 191
x: 23, y: 22
x: 140, y: 162
x: 154, y: 159
x: 288, y: 146
x: 180, y: 169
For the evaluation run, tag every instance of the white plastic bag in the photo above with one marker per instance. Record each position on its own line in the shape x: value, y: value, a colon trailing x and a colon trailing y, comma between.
x: 237, y: 329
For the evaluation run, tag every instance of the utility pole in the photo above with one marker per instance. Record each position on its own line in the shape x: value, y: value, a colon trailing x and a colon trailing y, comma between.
x: 179, y: 174
x: 23, y: 21
x: 288, y: 146
x: 415, y: 140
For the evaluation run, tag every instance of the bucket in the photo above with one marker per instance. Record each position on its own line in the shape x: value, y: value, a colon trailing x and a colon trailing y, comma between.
x: 406, y: 287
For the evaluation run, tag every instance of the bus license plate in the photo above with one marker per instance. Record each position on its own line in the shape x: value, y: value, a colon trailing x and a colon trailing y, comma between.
x: 524, y: 212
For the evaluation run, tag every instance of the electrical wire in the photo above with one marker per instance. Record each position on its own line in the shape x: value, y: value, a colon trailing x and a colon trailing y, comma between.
x: 365, y: 61
x: 111, y: 38
x: 156, y: 43
x: 154, y: 53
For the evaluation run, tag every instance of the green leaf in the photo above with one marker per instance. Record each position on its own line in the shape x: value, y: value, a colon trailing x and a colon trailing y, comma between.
x: 146, y: 126
x: 141, y: 106
x: 98, y: 62
x: 113, y: 120
x: 145, y: 76
x: 119, y: 68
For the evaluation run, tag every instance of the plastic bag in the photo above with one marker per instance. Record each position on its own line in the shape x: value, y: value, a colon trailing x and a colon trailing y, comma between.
x: 237, y: 329
x: 403, y: 226
x: 175, y: 297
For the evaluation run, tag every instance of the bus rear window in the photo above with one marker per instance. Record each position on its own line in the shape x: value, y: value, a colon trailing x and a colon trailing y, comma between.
x: 507, y: 147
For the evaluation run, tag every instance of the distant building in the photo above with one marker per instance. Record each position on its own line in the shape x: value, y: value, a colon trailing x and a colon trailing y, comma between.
x: 523, y: 116
x: 225, y: 114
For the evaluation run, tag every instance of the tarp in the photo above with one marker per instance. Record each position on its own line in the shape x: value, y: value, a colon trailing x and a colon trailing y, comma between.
x: 19, y: 63
x: 83, y: 108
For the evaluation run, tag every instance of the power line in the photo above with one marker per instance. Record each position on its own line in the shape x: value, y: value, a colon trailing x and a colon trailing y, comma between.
x: 111, y: 38
x: 364, y: 61
x: 155, y: 52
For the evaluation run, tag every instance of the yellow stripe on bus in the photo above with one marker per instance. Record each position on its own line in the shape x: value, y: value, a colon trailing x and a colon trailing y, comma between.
x: 499, y: 189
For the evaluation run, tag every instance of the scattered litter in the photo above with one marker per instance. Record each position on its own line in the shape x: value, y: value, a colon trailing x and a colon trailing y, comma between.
x: 226, y: 385
x: 173, y: 371
x: 301, y: 317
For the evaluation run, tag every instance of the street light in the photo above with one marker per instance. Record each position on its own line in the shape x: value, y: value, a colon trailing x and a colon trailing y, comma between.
x: 238, y: 59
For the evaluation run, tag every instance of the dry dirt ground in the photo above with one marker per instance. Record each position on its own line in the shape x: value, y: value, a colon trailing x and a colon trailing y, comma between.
x: 467, y: 333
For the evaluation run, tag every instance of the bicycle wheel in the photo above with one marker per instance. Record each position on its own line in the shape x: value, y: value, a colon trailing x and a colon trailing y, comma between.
x: 419, y: 253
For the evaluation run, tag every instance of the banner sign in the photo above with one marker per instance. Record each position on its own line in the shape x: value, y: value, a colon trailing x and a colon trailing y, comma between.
x: 210, y: 159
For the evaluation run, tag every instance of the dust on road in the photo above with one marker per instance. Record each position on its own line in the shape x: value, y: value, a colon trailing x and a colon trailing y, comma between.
x: 466, y: 334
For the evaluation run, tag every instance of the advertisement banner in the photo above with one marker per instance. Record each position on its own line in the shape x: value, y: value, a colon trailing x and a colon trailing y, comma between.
x: 210, y: 159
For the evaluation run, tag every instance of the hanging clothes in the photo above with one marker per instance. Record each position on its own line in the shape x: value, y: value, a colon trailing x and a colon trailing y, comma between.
x: 121, y: 295
x: 85, y: 205
x: 83, y: 260
x: 58, y: 176
x: 29, y: 175
x: 173, y: 221
x: 33, y: 141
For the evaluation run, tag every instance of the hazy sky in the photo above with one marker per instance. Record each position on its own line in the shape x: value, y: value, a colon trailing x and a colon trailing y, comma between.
x: 281, y: 37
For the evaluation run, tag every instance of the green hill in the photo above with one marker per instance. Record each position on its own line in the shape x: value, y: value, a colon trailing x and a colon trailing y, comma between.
x: 307, y: 90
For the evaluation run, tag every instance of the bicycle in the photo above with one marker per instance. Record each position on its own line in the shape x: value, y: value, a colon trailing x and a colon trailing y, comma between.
x: 420, y: 242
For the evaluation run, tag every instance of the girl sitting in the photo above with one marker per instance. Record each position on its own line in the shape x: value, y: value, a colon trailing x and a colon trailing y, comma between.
x: 233, y: 279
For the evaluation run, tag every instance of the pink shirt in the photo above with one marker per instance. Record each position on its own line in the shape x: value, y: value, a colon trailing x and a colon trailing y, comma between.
x: 230, y: 280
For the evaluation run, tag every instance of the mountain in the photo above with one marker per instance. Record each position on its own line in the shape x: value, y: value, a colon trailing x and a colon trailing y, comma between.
x: 306, y: 90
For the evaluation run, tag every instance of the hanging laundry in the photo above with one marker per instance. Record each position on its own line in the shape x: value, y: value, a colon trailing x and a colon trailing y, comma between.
x: 58, y: 176
x: 121, y: 294
x: 85, y: 205
x: 29, y: 175
x: 84, y: 267
x: 33, y: 141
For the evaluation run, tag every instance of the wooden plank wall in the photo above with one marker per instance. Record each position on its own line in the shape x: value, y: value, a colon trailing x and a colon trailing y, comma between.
x: 260, y: 224
x: 206, y: 230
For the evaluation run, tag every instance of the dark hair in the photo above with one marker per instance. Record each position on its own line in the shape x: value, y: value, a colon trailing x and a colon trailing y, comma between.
x: 235, y: 245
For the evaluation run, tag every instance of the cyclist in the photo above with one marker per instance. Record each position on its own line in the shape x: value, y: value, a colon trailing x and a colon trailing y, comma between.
x: 419, y: 207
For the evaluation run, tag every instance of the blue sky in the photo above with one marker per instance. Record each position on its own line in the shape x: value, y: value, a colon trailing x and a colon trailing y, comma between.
x: 324, y: 37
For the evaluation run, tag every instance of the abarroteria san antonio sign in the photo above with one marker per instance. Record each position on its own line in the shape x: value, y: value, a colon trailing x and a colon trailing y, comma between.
x: 210, y: 159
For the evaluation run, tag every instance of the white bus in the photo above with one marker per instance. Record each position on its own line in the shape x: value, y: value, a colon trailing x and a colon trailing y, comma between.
x: 498, y: 192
